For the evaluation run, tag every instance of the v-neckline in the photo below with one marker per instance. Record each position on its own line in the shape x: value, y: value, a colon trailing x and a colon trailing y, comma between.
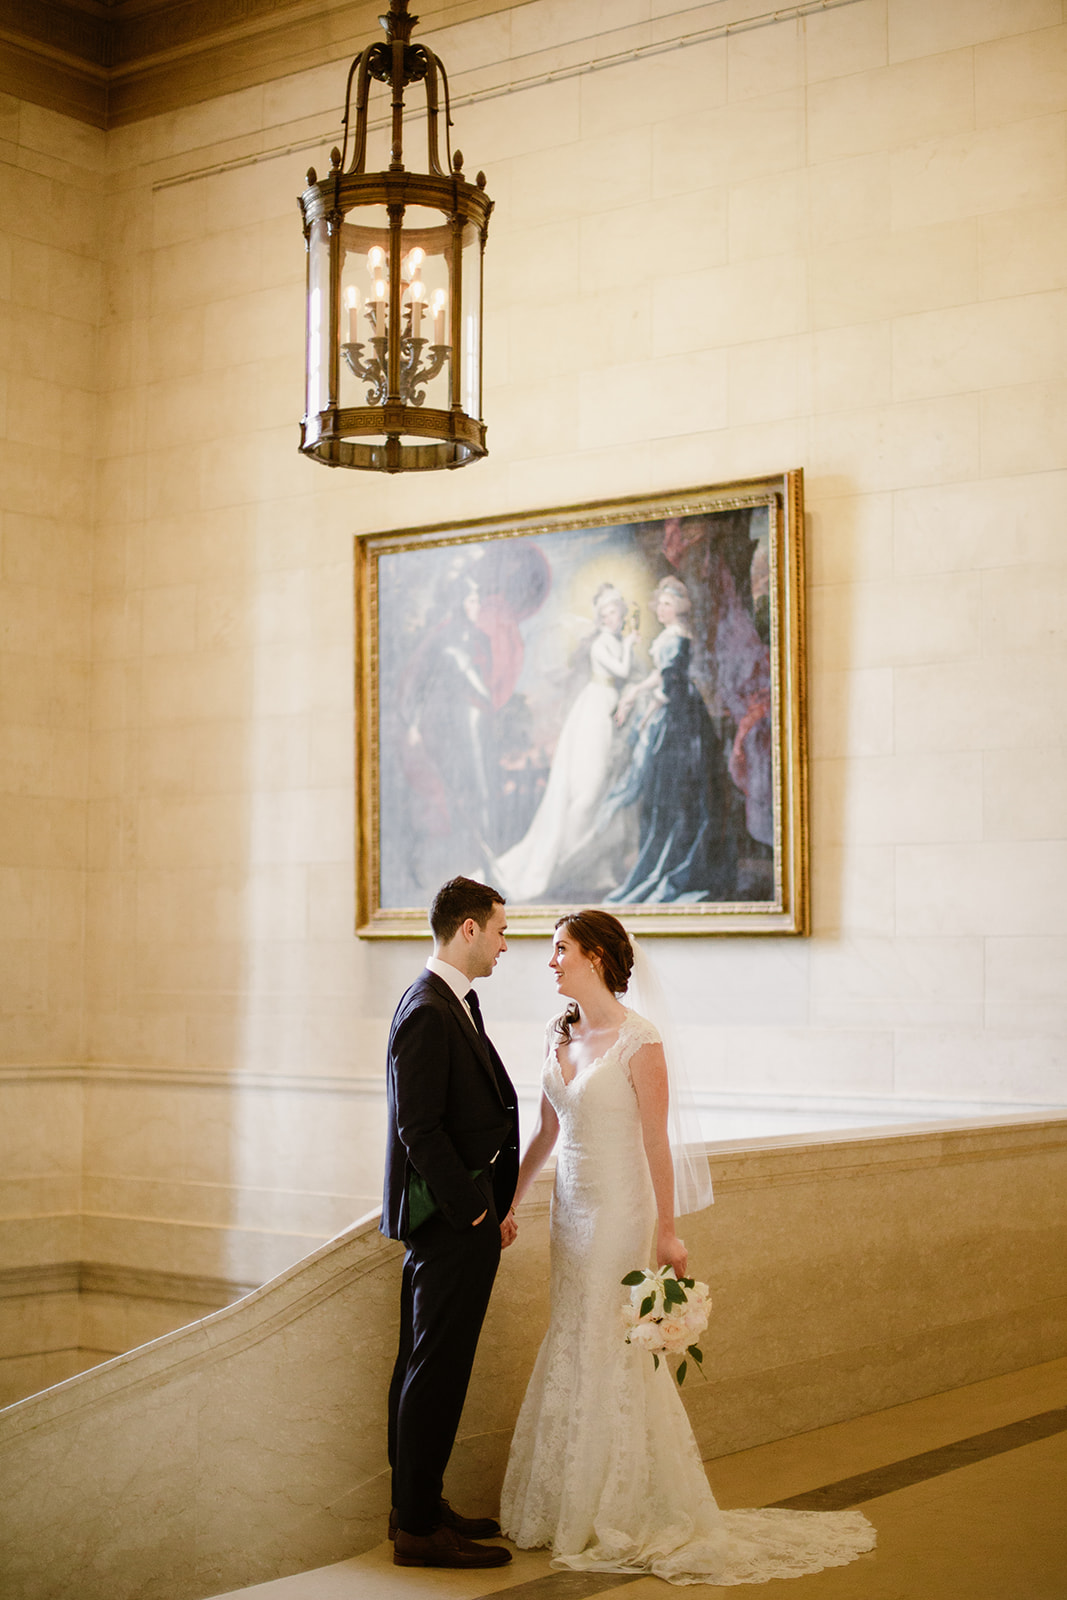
x: 584, y: 1072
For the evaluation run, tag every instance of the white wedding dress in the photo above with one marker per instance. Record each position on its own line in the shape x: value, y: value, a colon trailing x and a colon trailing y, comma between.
x: 604, y: 1467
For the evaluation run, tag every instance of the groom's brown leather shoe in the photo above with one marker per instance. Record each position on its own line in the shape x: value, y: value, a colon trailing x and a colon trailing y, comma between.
x: 444, y: 1547
x: 469, y: 1527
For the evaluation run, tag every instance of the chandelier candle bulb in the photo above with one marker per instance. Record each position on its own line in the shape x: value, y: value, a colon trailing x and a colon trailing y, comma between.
x: 418, y: 289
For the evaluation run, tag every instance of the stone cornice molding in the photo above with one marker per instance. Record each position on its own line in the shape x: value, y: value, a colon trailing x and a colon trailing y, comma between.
x: 77, y: 35
x: 112, y: 62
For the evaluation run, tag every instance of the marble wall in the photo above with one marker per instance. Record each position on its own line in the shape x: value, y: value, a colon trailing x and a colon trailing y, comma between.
x: 51, y: 275
x: 51, y: 203
x: 833, y: 242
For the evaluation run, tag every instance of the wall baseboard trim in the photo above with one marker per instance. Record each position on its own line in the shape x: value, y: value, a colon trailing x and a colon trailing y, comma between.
x: 131, y: 1283
x: 92, y: 1073
x: 880, y: 1109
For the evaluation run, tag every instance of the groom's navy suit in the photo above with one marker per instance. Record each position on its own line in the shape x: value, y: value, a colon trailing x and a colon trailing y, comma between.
x: 453, y: 1123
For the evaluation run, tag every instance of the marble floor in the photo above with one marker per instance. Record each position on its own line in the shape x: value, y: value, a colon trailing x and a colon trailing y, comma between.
x: 968, y: 1492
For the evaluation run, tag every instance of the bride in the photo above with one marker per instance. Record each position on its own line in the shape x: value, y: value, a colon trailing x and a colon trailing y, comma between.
x: 604, y: 1468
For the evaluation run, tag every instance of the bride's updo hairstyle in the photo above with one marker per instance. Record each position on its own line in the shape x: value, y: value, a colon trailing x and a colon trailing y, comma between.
x: 602, y: 937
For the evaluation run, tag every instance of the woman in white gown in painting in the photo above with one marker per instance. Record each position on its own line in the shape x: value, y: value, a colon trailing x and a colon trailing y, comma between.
x: 581, y: 762
x: 604, y: 1467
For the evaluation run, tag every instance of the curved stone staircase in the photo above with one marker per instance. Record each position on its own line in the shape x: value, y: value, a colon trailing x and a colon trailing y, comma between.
x: 850, y: 1272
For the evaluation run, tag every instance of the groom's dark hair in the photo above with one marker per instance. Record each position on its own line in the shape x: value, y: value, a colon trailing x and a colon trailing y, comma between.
x: 459, y: 899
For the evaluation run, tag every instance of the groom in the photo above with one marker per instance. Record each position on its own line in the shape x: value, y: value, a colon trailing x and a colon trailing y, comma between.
x: 451, y: 1162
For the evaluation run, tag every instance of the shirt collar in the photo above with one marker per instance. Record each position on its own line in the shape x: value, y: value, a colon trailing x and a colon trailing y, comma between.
x: 457, y: 981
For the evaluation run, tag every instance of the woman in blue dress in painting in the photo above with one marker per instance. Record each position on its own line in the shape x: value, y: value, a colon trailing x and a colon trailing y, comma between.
x: 687, y: 849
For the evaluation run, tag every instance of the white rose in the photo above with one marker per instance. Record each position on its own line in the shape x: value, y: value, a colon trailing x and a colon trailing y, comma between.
x: 694, y: 1320
x: 675, y: 1336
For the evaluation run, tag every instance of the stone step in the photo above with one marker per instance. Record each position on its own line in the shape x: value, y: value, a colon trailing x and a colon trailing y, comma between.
x: 373, y: 1574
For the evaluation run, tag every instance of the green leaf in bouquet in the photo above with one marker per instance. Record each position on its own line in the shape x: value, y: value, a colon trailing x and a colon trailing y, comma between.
x: 696, y: 1353
x: 680, y: 1374
x: 673, y: 1293
x: 655, y: 1358
x: 633, y: 1278
x: 646, y: 1305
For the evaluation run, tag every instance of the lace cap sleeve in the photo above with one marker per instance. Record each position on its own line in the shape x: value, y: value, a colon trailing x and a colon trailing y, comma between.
x: 552, y: 1036
x: 637, y: 1031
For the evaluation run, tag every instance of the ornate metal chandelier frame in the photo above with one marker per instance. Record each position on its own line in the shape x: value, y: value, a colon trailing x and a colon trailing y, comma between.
x: 395, y: 430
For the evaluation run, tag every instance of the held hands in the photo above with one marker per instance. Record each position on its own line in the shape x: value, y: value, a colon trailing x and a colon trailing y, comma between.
x: 671, y: 1252
x: 625, y: 706
x: 509, y: 1228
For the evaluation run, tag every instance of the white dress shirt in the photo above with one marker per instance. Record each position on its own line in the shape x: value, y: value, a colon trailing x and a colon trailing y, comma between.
x: 457, y: 981
x: 460, y: 984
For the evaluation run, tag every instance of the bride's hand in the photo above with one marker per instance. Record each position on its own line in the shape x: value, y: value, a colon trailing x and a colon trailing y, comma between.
x: 671, y: 1252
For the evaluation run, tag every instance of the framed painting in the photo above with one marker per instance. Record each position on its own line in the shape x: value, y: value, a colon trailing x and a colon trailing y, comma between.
x: 596, y: 705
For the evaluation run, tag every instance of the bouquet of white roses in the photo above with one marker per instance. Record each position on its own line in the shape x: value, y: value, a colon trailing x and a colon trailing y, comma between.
x: 666, y: 1315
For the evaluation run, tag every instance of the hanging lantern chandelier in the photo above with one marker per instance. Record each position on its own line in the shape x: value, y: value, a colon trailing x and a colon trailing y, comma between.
x: 394, y: 285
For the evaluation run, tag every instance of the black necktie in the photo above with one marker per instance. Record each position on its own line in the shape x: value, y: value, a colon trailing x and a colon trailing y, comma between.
x: 475, y: 1008
x: 476, y: 1012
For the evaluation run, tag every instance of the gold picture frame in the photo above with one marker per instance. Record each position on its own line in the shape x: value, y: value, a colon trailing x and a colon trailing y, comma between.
x: 599, y: 704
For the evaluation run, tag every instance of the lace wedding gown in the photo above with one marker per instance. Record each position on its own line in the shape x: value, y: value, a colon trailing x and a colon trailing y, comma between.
x: 604, y: 1467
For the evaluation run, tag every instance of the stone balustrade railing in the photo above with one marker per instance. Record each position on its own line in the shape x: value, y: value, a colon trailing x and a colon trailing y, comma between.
x: 849, y: 1273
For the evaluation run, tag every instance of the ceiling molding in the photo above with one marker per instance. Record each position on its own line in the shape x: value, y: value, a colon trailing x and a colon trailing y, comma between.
x: 45, y: 79
x: 80, y: 33
x: 112, y: 62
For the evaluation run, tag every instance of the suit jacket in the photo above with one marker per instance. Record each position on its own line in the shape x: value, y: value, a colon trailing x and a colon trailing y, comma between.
x: 452, y: 1109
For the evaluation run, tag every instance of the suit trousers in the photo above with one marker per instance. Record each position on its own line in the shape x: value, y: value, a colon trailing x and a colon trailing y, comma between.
x: 447, y: 1280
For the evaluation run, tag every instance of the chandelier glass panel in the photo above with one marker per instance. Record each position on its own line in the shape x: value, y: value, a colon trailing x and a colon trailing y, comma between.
x: 394, y: 286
